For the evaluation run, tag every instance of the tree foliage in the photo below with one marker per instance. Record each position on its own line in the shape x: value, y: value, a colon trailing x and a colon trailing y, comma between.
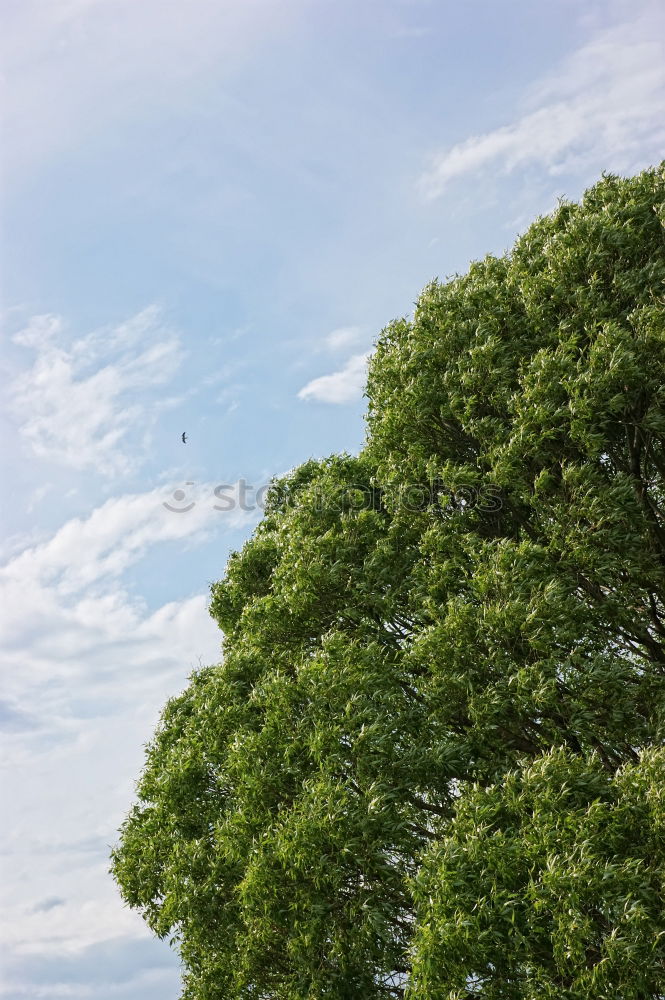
x: 431, y: 762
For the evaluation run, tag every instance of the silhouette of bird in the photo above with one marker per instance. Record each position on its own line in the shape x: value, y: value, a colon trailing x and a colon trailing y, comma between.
x: 184, y: 437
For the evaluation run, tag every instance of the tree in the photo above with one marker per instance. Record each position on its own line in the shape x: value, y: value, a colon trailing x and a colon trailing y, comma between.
x: 430, y: 764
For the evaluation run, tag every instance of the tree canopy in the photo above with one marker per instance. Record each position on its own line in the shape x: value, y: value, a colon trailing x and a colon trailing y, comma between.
x: 431, y: 762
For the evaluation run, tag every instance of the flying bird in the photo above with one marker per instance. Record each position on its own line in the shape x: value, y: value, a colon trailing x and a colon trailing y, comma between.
x: 184, y: 437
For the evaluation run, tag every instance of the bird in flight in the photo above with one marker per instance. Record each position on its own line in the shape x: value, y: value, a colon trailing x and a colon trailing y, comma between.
x: 184, y: 437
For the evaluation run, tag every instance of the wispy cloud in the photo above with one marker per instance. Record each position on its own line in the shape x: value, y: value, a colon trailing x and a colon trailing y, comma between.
x: 344, y: 337
x: 50, y: 903
x: 121, y: 969
x: 603, y: 109
x: 78, y: 402
x: 342, y: 386
x: 91, y: 58
x: 87, y: 666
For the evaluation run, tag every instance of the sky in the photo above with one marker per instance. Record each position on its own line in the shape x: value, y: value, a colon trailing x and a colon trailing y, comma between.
x: 209, y: 211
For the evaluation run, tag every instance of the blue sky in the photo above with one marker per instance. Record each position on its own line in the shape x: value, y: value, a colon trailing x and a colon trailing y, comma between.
x: 209, y: 211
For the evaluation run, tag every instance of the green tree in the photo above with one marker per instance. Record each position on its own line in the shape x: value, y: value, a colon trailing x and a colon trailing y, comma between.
x: 431, y: 762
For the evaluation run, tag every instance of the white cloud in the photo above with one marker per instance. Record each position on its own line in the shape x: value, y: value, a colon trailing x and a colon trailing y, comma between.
x: 74, y: 574
x: 102, y: 62
x: 78, y: 403
x: 87, y: 667
x: 37, y: 495
x: 123, y: 969
x: 344, y: 337
x: 39, y: 332
x: 601, y: 110
x: 339, y: 387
